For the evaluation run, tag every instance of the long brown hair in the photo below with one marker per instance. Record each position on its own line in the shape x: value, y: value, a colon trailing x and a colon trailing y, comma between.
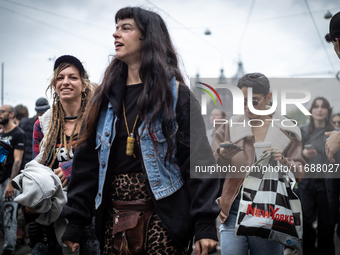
x: 329, y: 126
x: 57, y: 122
x: 159, y: 65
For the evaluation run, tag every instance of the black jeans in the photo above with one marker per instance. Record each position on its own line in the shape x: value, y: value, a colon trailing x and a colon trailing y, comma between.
x: 315, y: 206
x: 43, y: 240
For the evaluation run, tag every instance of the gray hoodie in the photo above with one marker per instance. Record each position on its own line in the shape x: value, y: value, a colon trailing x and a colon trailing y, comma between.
x: 41, y: 190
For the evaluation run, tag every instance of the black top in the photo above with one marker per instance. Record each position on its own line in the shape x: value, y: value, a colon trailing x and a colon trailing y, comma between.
x: 331, y: 184
x: 17, y: 139
x: 62, y: 154
x: 119, y: 162
x: 316, y: 138
x: 189, y: 211
x: 27, y: 125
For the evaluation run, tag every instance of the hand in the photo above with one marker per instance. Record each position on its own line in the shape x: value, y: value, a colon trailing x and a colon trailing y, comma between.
x: 10, y: 191
x: 309, y: 153
x: 228, y: 153
x: 73, y: 246
x: 332, y: 144
x: 277, y: 154
x: 203, y: 246
x: 61, y: 176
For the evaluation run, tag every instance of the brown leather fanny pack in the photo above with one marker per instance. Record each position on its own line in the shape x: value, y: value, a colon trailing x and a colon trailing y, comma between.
x: 130, y: 225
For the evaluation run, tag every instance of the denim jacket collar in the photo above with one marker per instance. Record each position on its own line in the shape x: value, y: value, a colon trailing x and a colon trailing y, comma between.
x: 163, y: 181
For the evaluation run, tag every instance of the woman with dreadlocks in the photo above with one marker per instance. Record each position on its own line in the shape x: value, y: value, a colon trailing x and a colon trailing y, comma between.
x: 54, y: 137
x: 133, y: 164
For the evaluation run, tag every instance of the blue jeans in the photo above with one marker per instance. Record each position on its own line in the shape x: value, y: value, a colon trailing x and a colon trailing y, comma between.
x: 239, y: 245
x: 8, y: 218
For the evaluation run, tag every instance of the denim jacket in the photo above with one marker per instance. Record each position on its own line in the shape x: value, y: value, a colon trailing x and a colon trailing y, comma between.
x: 163, y: 181
x: 186, y: 206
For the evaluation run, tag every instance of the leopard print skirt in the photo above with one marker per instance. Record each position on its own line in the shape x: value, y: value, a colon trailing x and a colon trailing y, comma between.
x: 127, y: 187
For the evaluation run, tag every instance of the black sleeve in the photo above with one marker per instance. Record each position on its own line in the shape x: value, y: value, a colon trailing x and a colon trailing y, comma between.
x: 193, y: 148
x: 20, y: 137
x: 81, y: 190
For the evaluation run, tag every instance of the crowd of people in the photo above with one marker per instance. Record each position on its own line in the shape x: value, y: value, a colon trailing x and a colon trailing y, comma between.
x: 107, y: 169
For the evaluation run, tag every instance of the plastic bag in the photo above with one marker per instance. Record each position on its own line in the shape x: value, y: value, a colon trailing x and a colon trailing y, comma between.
x: 268, y: 206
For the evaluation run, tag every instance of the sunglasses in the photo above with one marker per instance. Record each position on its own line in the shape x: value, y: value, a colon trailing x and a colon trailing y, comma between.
x: 255, y: 101
x: 336, y: 122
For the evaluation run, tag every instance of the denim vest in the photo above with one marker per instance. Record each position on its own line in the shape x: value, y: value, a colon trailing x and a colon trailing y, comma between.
x: 163, y: 181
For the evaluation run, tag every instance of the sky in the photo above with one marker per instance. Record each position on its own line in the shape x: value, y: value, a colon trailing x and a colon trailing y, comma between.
x: 280, y: 39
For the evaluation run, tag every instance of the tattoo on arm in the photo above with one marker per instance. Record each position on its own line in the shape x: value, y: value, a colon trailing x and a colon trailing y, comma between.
x: 15, y: 169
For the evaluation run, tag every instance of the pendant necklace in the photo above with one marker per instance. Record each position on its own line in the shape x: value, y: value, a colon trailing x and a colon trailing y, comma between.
x: 130, y: 144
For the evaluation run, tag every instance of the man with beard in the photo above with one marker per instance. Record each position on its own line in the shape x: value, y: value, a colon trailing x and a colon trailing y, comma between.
x: 16, y: 137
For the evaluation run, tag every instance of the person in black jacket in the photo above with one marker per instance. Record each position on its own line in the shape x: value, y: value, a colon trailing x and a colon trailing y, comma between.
x: 333, y: 141
x: 27, y: 124
x: 140, y: 99
x: 319, y: 189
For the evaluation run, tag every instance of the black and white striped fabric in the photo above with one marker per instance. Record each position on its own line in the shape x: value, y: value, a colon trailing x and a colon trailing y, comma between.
x: 268, y: 206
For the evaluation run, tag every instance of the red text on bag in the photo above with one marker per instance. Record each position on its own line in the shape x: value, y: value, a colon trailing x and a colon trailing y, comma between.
x: 273, y: 214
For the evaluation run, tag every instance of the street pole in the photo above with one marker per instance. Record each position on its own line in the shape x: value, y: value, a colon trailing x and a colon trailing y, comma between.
x: 2, y: 83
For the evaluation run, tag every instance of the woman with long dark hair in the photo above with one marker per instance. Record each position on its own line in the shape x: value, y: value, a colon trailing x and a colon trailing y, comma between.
x: 133, y: 163
x: 319, y: 194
